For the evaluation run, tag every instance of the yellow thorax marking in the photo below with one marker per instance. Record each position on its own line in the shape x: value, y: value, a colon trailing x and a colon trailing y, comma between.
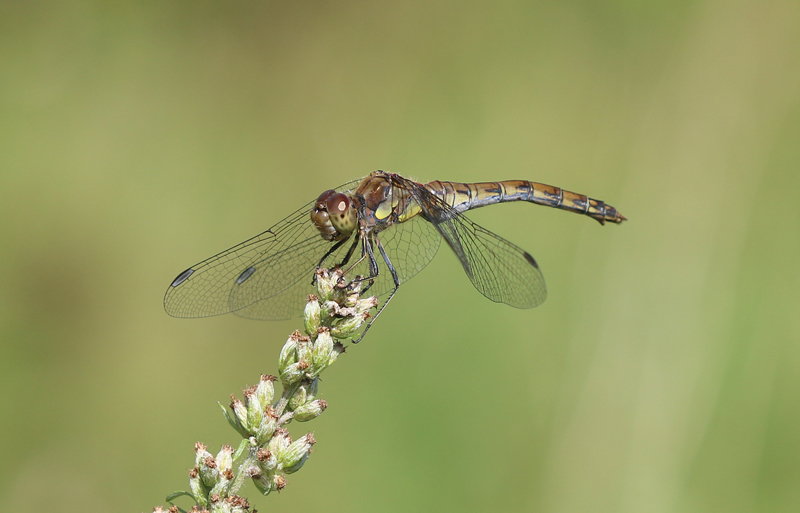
x: 386, y: 206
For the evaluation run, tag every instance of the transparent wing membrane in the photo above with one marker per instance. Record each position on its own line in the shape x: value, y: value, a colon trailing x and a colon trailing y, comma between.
x: 274, y: 268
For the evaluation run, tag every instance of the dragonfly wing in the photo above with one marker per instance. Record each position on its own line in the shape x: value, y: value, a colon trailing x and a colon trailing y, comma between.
x: 410, y: 246
x: 500, y: 270
x: 273, y: 284
x: 292, y: 290
x: 278, y: 263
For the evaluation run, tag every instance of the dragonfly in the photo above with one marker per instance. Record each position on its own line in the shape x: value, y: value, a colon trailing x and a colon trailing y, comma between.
x: 386, y: 228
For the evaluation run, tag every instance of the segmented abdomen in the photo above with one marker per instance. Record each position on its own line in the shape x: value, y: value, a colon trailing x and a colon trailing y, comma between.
x: 466, y: 196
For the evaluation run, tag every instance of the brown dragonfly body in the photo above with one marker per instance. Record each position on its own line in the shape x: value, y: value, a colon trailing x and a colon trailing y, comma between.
x: 467, y: 196
x: 386, y: 203
x: 384, y: 228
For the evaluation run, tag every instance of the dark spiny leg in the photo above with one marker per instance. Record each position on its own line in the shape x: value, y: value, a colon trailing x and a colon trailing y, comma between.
x: 366, y: 253
x: 388, y: 263
x: 373, y: 264
x: 363, y: 257
x: 332, y: 250
x: 394, y: 291
x: 326, y: 255
x: 350, y: 251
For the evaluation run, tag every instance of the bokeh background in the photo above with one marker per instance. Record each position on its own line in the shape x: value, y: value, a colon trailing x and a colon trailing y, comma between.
x: 661, y: 375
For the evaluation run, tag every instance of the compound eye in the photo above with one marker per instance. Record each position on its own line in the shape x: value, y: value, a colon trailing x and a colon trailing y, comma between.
x: 320, y: 203
x: 337, y: 204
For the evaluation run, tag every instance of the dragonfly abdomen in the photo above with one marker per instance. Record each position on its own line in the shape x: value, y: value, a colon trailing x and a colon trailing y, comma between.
x: 467, y: 196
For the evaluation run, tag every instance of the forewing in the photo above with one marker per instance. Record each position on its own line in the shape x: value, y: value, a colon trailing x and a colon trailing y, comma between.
x: 288, y: 301
x: 500, y: 270
x: 276, y: 266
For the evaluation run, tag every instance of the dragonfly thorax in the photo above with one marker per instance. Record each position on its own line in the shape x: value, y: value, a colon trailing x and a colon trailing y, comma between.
x: 334, y: 216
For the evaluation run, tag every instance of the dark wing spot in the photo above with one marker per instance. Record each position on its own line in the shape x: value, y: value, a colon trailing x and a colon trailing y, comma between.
x: 530, y: 259
x: 246, y: 274
x: 182, y: 277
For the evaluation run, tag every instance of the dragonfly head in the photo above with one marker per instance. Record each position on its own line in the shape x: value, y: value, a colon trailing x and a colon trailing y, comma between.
x: 334, y: 216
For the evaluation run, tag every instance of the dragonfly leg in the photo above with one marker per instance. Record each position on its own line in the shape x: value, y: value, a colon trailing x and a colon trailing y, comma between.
x: 388, y: 263
x: 350, y: 251
x: 394, y: 291
x: 355, y: 264
x: 337, y: 246
x: 331, y: 251
x: 368, y: 252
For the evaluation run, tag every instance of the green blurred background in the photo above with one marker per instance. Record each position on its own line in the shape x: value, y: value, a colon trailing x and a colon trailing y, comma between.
x: 662, y: 374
